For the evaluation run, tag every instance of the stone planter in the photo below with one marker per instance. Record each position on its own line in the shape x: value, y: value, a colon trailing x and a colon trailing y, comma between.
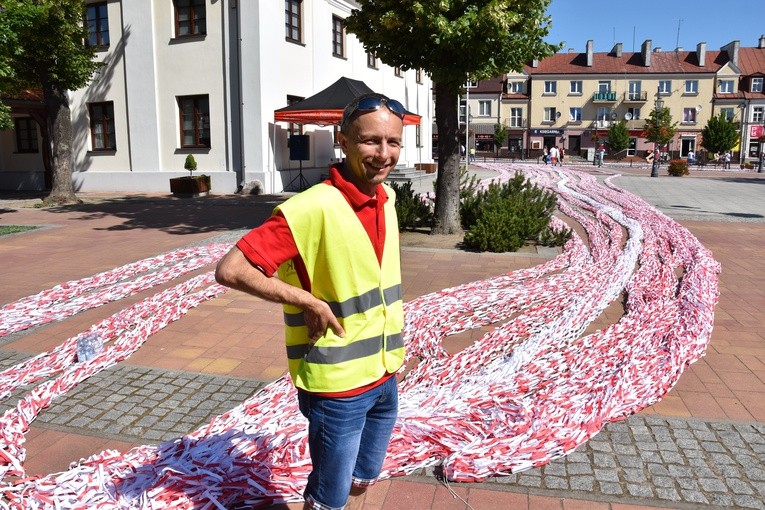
x: 190, y: 186
x: 428, y: 168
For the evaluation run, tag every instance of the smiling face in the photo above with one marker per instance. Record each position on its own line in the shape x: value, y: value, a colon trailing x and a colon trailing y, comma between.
x: 371, y: 145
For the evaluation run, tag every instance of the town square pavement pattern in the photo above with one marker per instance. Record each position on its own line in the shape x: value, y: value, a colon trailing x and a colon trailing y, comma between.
x: 702, y: 446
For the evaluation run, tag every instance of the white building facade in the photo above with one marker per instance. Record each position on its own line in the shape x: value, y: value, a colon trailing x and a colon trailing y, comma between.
x: 204, y: 77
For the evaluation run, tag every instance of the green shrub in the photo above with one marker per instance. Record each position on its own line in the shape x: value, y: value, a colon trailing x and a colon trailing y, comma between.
x: 505, y: 216
x: 412, y: 210
x: 678, y: 167
x: 190, y: 164
x: 552, y: 237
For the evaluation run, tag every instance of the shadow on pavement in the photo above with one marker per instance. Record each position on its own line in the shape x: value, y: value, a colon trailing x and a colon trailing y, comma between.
x: 179, y: 216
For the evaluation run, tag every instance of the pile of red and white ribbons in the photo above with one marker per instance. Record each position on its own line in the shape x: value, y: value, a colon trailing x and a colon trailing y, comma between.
x: 530, y: 390
x: 76, y: 296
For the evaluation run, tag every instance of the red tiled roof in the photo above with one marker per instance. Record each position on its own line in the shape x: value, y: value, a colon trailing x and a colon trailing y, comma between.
x: 34, y: 95
x: 490, y: 86
x: 751, y: 61
x: 629, y: 63
x: 515, y: 96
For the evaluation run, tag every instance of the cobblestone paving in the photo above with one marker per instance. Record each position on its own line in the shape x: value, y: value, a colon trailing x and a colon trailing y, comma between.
x: 649, y: 460
x: 139, y: 404
x: 676, y: 461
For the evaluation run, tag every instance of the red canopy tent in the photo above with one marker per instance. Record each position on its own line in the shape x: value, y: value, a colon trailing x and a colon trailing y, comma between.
x: 325, y: 108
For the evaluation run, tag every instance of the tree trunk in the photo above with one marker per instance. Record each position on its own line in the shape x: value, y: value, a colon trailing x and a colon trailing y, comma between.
x: 447, y: 213
x: 60, y: 118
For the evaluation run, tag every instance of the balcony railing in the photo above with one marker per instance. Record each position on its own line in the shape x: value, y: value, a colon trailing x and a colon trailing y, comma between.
x: 636, y: 97
x: 517, y: 123
x: 604, y: 97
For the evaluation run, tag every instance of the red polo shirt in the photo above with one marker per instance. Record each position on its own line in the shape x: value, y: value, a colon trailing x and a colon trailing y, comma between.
x: 271, y: 244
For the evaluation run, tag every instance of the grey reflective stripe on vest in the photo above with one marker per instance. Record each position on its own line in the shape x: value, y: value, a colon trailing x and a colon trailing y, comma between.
x: 356, y: 350
x: 354, y: 305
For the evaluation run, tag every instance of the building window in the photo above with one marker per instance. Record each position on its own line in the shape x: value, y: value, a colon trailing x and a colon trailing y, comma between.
x: 26, y: 135
x: 757, y: 84
x: 418, y: 135
x: 575, y: 115
x: 604, y: 86
x: 292, y: 20
x: 665, y: 87
x: 471, y: 84
x: 293, y: 128
x: 418, y: 75
x: 551, y: 87
x: 397, y: 71
x: 633, y: 113
x: 634, y: 90
x: 338, y: 37
x: 484, y: 108
x: 371, y: 60
x: 689, y: 115
x: 725, y: 86
x: 575, y: 87
x: 194, y: 121
x: 757, y: 114
x: 550, y: 114
x: 102, y: 126
x: 97, y: 19
x: 516, y: 117
x: 604, y: 115
x: 190, y: 17
x: 515, y: 87
x: 727, y: 113
x: 692, y: 87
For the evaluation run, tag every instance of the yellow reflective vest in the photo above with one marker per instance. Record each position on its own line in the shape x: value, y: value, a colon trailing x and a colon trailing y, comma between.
x: 364, y: 295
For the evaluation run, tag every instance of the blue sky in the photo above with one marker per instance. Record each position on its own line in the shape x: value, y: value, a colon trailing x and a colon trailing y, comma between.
x: 605, y: 22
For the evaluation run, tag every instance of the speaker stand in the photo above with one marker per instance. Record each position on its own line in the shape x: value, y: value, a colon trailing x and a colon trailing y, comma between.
x: 302, y: 182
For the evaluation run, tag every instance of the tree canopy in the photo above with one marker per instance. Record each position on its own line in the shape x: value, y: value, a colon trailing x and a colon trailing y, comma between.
x: 452, y: 40
x: 618, y: 136
x: 661, y: 132
x: 47, y: 51
x: 720, y: 134
x: 500, y: 136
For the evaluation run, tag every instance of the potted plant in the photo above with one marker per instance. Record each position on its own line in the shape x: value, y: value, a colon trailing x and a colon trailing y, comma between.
x: 193, y: 185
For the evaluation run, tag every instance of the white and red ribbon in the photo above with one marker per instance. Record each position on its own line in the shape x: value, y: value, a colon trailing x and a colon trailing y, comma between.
x: 532, y: 389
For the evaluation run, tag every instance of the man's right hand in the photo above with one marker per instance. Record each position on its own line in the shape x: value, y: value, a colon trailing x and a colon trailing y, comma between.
x: 319, y: 317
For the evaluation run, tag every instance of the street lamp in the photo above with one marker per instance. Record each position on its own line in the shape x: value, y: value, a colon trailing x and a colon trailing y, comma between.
x: 659, y: 105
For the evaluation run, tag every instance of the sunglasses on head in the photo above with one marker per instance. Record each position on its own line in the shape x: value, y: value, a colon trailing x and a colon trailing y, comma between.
x: 370, y: 104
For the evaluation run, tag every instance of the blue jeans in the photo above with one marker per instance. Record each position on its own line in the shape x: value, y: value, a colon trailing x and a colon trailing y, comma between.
x: 348, y: 439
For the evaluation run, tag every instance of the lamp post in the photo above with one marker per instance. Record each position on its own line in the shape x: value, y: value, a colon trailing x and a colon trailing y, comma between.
x: 659, y: 105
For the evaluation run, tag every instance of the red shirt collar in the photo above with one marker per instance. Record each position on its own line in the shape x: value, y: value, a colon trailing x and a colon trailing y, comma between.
x: 356, y: 198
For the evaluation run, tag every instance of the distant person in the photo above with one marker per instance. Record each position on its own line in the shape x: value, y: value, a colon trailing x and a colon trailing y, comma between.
x: 472, y: 154
x: 544, y: 154
x: 554, y: 155
x: 726, y: 160
x: 601, y: 155
x: 691, y: 157
x: 561, y: 155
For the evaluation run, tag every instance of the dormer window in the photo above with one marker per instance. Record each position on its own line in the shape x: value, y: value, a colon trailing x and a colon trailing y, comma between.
x: 725, y: 86
x: 515, y: 87
x: 757, y: 84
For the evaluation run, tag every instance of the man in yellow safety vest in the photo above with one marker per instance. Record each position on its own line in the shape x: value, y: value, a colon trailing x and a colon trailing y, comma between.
x: 335, y: 249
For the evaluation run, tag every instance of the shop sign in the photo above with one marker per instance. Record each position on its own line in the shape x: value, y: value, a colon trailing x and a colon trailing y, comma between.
x: 543, y: 132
